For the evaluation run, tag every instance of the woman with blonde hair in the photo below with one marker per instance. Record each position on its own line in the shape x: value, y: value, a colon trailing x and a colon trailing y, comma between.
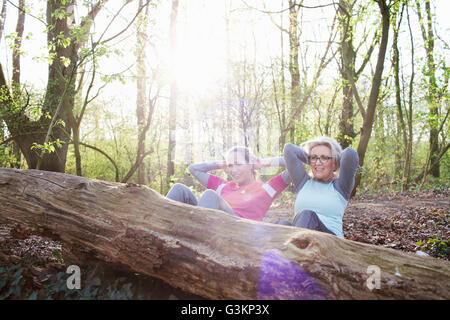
x: 243, y: 196
x: 321, y: 199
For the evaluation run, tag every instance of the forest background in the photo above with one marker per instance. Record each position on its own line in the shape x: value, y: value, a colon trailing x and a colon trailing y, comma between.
x: 135, y: 91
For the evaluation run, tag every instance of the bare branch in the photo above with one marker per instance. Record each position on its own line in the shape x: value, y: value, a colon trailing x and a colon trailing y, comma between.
x: 288, y: 8
x: 105, y: 154
x: 368, y: 54
x: 136, y: 165
x: 323, y: 63
x: 126, y: 28
x: 23, y: 9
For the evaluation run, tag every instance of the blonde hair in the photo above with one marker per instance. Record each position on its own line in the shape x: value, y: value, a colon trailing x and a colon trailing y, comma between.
x: 334, y: 146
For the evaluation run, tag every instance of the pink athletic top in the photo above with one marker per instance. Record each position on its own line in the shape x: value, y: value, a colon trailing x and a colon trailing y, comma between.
x: 251, y: 201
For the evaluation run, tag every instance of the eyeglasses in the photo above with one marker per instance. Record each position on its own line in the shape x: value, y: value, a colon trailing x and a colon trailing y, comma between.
x: 322, y: 159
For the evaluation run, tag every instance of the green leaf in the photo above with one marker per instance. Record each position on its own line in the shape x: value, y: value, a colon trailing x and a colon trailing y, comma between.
x: 57, y: 254
x: 65, y: 61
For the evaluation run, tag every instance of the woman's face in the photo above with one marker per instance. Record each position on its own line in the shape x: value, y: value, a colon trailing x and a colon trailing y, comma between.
x: 239, y: 170
x: 323, y: 167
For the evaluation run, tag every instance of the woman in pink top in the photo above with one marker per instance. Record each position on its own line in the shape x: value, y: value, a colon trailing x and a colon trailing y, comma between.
x: 243, y: 196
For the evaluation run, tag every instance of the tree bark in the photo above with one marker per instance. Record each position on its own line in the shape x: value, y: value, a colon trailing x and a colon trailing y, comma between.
x: 366, y: 130
x: 293, y: 54
x: 173, y: 97
x: 18, y: 43
x: 400, y: 152
x: 348, y: 58
x: 433, y: 96
x: 141, y: 82
x: 137, y: 229
x: 228, y: 123
x: 2, y: 18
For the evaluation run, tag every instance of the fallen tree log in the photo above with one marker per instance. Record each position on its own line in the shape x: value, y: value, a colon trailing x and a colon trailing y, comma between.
x: 207, y: 252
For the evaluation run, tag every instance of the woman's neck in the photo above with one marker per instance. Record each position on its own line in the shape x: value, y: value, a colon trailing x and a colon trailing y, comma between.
x: 328, y: 180
x: 246, y: 182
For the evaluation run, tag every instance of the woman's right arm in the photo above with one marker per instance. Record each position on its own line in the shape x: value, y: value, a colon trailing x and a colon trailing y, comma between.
x: 348, y: 167
x: 295, y: 158
x: 199, y: 170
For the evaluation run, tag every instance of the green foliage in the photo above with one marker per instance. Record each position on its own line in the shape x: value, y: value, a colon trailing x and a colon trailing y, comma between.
x: 435, y: 246
x: 16, y: 282
x: 48, y: 147
x: 57, y: 254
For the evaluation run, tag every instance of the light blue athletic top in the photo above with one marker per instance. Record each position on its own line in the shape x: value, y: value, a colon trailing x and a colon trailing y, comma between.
x: 327, y: 200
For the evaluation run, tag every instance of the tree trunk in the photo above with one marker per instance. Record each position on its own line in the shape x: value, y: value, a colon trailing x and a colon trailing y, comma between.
x: 18, y: 43
x: 173, y: 98
x: 400, y: 152
x: 60, y: 78
x: 141, y: 88
x: 432, y: 98
x: 76, y: 148
x: 348, y: 58
x: 2, y: 18
x: 60, y: 89
x: 137, y: 229
x: 59, y: 94
x: 293, y: 54
x: 409, y: 112
x: 228, y: 123
x: 366, y: 130
x: 282, y: 112
x: 15, y: 83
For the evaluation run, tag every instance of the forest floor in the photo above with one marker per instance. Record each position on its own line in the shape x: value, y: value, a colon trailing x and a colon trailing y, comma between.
x: 412, y: 222
x: 416, y: 221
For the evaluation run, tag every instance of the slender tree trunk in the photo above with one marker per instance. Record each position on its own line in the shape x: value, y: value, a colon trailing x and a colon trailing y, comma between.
x: 282, y: 138
x: 401, y: 125
x: 228, y: 132
x: 16, y: 68
x: 2, y: 18
x: 141, y: 82
x: 173, y: 99
x: 76, y: 147
x: 366, y: 129
x: 432, y: 97
x: 408, y: 160
x: 293, y: 53
x: 18, y: 44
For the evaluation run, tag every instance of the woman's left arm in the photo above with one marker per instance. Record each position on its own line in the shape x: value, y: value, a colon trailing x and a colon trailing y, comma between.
x: 275, y: 162
x: 348, y: 166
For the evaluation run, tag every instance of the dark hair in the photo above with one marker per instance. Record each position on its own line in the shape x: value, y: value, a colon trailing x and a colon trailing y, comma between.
x: 244, y: 151
x: 248, y: 156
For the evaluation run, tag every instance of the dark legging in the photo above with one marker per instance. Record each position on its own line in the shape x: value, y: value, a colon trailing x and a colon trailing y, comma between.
x: 307, y: 219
